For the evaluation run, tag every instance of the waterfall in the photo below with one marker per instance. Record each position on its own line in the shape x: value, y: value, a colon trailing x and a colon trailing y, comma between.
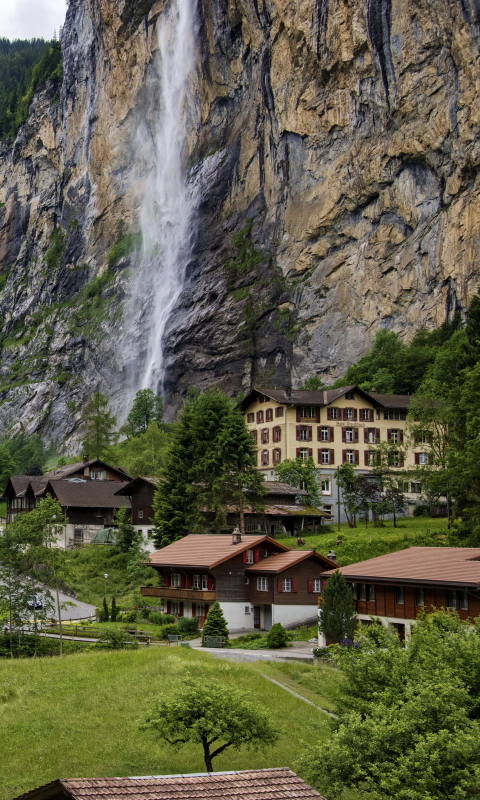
x: 167, y: 200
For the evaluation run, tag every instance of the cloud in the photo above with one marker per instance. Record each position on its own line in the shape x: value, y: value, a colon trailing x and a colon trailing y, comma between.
x: 28, y: 19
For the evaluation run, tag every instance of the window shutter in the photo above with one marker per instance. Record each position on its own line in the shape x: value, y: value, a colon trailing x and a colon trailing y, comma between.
x: 367, y: 459
x: 169, y: 606
x: 355, y: 414
x: 372, y: 415
x: 428, y: 460
x: 343, y: 413
x: 329, y: 413
x: 244, y: 557
x: 332, y: 457
x: 309, y: 584
x: 355, y: 435
x: 294, y: 584
x: 189, y: 581
x: 298, y: 452
x: 344, y: 434
x: 166, y: 579
x: 279, y: 584
x: 319, y: 434
x: 332, y: 434
x: 182, y: 581
x: 401, y: 459
x: 389, y: 435
x: 344, y: 456
x: 299, y: 416
x: 181, y: 610
x: 310, y: 452
x: 298, y: 432
x: 210, y: 583
x: 317, y: 414
x: 256, y: 555
x: 207, y: 608
x: 365, y: 435
x: 319, y: 456
x: 279, y: 434
x: 400, y: 437
x: 357, y: 457
x: 309, y: 434
x: 417, y: 458
x: 194, y: 609
x: 377, y: 435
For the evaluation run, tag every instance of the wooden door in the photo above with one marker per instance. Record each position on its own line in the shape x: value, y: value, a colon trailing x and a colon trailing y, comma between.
x: 256, y: 616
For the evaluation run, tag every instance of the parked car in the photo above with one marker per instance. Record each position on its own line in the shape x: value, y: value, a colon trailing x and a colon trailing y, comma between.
x: 34, y: 601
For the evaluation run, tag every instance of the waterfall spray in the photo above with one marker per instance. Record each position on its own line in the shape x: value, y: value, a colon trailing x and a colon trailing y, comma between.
x: 167, y: 201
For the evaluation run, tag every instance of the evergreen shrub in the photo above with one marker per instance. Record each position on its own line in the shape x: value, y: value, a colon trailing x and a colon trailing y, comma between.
x: 277, y: 636
x: 165, y: 630
x: 156, y: 618
x: 105, y: 610
x: 188, y: 626
x: 215, y: 623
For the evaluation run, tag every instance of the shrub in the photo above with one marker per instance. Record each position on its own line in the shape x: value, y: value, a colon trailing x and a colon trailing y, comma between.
x: 117, y: 640
x: 165, y: 630
x: 100, y: 615
x: 114, y: 612
x: 160, y: 619
x: 277, y: 636
x: 188, y: 626
x: 322, y: 652
x: 215, y: 623
x: 105, y: 610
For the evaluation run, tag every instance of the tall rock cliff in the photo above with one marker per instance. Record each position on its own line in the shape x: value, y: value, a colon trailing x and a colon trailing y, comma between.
x: 336, y: 147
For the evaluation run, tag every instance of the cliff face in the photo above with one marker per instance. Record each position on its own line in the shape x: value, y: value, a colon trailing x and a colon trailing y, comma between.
x: 336, y: 147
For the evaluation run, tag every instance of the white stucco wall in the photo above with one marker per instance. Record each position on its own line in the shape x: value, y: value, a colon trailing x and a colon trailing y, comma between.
x: 293, y: 615
x: 235, y: 615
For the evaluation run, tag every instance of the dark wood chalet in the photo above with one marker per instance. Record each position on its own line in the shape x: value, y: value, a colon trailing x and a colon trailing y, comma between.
x: 256, y: 580
x: 140, y: 492
x: 398, y: 586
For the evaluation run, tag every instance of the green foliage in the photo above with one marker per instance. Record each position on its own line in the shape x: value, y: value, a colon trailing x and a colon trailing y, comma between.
x: 147, y: 408
x: 28, y: 453
x: 127, y: 535
x: 302, y: 474
x: 144, y: 454
x: 56, y: 249
x: 25, y: 65
x: 314, y: 383
x: 117, y: 640
x: 338, y: 616
x: 247, y: 257
x: 161, y: 619
x: 99, y: 427
x: 215, y: 623
x: 114, y: 611
x: 409, y: 716
x: 125, y: 245
x: 211, y: 715
x: 277, y: 636
x: 7, y: 466
x: 188, y: 626
x: 105, y: 614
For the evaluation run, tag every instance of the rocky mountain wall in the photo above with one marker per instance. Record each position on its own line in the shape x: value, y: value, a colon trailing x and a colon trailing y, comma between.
x: 336, y: 147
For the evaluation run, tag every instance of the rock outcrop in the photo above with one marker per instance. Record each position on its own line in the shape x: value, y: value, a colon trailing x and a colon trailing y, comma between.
x: 338, y: 148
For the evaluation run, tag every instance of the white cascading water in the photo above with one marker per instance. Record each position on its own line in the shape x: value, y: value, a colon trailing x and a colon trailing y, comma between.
x: 167, y: 201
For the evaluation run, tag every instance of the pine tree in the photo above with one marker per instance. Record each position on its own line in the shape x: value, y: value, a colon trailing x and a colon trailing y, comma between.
x: 338, y: 617
x: 99, y: 425
x: 215, y: 623
x: 105, y: 610
x: 113, y: 615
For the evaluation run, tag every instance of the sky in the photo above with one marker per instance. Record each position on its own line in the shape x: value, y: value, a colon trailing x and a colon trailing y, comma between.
x: 27, y: 19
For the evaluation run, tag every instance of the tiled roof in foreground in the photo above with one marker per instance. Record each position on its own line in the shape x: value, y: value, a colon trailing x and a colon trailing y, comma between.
x: 206, y: 549
x: 259, y: 784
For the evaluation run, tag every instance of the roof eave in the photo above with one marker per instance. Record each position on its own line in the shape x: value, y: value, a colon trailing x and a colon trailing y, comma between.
x: 397, y: 580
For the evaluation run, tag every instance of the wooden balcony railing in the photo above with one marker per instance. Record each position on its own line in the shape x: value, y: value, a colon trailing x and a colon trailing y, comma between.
x: 171, y: 593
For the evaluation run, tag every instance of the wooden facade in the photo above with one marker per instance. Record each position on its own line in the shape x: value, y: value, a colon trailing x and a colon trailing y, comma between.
x: 407, y: 601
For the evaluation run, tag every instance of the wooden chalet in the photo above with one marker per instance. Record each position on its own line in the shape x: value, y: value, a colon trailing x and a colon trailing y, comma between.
x: 397, y: 587
x: 256, y: 580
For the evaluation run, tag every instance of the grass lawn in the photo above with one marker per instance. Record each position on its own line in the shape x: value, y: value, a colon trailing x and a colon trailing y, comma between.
x: 79, y: 716
x: 317, y: 683
x: 357, y: 544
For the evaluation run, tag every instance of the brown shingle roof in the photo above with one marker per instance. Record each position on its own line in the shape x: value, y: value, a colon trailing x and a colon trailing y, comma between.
x: 206, y: 549
x: 283, y: 561
x: 325, y: 397
x: 88, y: 494
x: 277, y: 487
x: 258, y: 784
x: 392, y: 400
x: 154, y: 482
x: 444, y: 565
x: 20, y: 483
x: 69, y: 469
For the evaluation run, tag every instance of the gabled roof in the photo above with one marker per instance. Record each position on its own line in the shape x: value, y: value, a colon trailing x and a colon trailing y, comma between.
x: 420, y: 565
x: 136, y: 482
x: 283, y: 561
x: 277, y: 487
x: 323, y: 397
x: 69, y: 469
x: 258, y: 784
x: 20, y: 483
x: 207, y: 549
x: 88, y: 494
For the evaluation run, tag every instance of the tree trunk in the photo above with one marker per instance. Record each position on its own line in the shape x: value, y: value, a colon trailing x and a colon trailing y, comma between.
x: 207, y: 757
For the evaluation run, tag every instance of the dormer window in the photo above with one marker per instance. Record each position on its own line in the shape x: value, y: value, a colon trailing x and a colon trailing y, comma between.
x: 350, y: 396
x: 98, y: 475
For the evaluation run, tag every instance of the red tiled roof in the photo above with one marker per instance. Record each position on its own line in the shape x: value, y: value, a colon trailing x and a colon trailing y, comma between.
x: 283, y: 561
x: 206, y: 549
x: 258, y: 784
x: 444, y: 565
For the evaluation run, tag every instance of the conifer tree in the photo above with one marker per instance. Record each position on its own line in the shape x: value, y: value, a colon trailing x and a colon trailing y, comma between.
x: 113, y: 615
x: 338, y: 617
x: 215, y: 623
x: 99, y: 425
x: 105, y: 610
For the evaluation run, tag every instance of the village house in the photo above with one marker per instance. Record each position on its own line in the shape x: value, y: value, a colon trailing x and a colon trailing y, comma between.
x: 397, y: 587
x: 256, y: 580
x: 334, y: 426
x: 262, y: 784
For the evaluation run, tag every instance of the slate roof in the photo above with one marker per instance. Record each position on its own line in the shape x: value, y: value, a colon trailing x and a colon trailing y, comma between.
x: 283, y: 561
x: 90, y: 494
x: 392, y: 400
x: 325, y: 397
x: 258, y: 784
x: 420, y: 565
x: 206, y: 549
x: 20, y: 483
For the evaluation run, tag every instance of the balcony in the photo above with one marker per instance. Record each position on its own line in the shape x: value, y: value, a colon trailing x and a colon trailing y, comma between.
x: 171, y: 593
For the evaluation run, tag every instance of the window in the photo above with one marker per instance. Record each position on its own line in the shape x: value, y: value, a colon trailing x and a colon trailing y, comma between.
x: 303, y: 433
x: 249, y: 557
x: 362, y: 591
x: 457, y: 598
x: 370, y: 592
x: 287, y: 584
x: 100, y: 475
x: 176, y: 579
x: 262, y: 584
x: 365, y: 414
x: 197, y: 581
x: 399, y: 595
x: 317, y: 585
x: 350, y: 396
x: 200, y: 610
x: 264, y: 458
x: 303, y: 453
x: 247, y: 609
x: 269, y: 415
x: 451, y: 599
x: 259, y: 417
x: 251, y: 417
x: 204, y: 582
x: 264, y: 435
x: 325, y: 434
x: 394, y: 459
x: 308, y: 412
x: 140, y: 513
x: 254, y: 436
x: 247, y: 580
x: 261, y: 398
x: 371, y: 438
x: 419, y: 597
x: 332, y: 413
x: 277, y: 455
x: 78, y: 535
x: 327, y: 509
x: 279, y: 411
x: 395, y: 415
x: 462, y: 598
x: 326, y: 485
x: 422, y: 437
x: 324, y: 457
x: 423, y: 459
x: 350, y: 456
x: 277, y: 433
x: 176, y: 608
x: 373, y: 458
x: 348, y: 413
x: 394, y: 437
x: 416, y: 488
x: 349, y: 434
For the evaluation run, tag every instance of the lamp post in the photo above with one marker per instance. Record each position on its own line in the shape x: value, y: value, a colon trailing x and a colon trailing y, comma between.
x: 105, y: 576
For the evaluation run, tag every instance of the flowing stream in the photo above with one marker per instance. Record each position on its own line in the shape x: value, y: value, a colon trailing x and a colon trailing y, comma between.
x: 167, y: 200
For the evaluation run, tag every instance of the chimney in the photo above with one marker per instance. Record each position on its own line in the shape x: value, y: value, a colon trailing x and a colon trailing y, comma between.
x: 332, y: 556
x: 236, y: 536
x: 288, y: 392
x: 86, y: 459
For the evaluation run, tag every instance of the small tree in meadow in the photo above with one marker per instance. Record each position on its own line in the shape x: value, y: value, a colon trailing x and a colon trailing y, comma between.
x: 338, y: 617
x: 215, y: 623
x: 113, y: 614
x: 105, y: 610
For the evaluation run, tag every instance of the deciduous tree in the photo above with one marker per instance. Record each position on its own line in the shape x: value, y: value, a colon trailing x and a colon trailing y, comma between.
x: 147, y: 408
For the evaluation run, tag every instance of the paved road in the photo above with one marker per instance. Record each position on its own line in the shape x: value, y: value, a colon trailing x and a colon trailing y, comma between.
x: 76, y: 611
